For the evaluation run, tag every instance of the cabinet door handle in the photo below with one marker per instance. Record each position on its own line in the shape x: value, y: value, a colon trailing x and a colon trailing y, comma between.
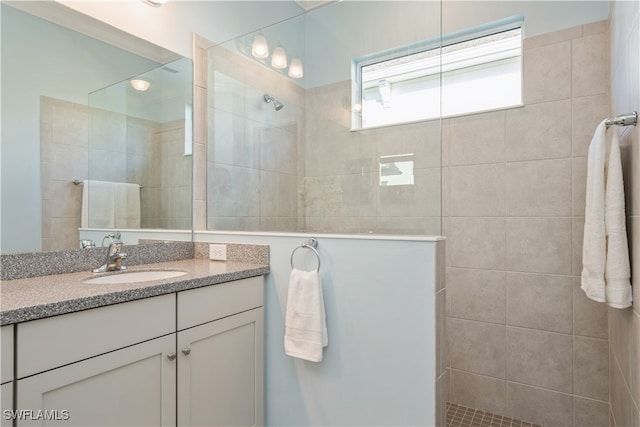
x: 171, y: 356
x: 186, y: 351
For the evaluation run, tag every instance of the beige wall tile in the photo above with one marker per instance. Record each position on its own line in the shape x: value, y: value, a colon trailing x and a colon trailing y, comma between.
x: 478, y: 391
x: 478, y: 138
x: 476, y: 294
x: 621, y: 403
x: 441, y: 401
x: 587, y: 113
x: 534, y: 131
x: 476, y: 243
x: 539, y: 358
x: 590, y: 318
x: 620, y: 326
x: 553, y: 38
x: 539, y: 406
x: 477, y: 190
x: 539, y: 302
x: 591, y: 368
x: 590, y: 413
x: 547, y: 73
x: 478, y: 347
x: 539, y: 245
x: 634, y: 368
x: 579, y: 185
x: 589, y: 65
x: 595, y: 28
x: 577, y: 237
x: 539, y: 188
x: 441, y: 338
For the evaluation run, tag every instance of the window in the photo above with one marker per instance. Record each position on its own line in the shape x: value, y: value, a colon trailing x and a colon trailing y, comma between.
x: 479, y: 72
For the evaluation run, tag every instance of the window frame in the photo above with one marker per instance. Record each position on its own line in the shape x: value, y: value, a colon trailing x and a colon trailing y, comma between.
x: 484, y: 30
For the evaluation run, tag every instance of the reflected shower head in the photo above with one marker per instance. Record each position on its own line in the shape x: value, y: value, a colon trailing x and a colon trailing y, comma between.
x: 276, y: 104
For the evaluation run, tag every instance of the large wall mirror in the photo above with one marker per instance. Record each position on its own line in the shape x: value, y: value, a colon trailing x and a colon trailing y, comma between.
x: 83, y: 146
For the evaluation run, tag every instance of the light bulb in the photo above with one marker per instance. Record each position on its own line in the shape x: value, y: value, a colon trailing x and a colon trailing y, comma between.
x: 155, y: 3
x: 279, y: 59
x: 295, y: 69
x: 260, y: 47
x: 140, y: 84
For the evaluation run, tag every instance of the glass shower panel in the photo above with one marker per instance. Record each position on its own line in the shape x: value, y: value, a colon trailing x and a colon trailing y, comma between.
x: 305, y: 167
x: 140, y: 133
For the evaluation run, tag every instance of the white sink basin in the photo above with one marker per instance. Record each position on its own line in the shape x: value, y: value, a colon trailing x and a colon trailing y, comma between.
x: 134, y: 276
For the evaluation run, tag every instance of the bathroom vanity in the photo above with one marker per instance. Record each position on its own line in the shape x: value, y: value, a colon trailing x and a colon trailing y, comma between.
x: 189, y: 352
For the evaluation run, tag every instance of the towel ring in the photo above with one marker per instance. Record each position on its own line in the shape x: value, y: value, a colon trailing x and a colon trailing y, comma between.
x: 309, y: 244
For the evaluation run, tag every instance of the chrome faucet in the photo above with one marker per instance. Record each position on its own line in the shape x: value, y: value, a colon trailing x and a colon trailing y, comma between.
x: 115, y: 256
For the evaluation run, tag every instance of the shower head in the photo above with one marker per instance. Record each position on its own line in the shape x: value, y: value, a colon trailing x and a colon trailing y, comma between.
x: 276, y: 104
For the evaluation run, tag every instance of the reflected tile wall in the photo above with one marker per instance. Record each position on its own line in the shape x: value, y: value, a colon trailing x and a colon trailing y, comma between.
x: 524, y: 341
x: 123, y: 149
x: 322, y: 177
x: 254, y: 176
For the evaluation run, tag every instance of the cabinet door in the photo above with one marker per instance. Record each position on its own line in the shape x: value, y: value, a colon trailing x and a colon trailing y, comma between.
x: 220, y: 372
x: 133, y: 386
x: 6, y: 353
x: 6, y: 392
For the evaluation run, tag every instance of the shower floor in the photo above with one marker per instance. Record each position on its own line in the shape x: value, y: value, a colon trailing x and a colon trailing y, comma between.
x: 461, y: 416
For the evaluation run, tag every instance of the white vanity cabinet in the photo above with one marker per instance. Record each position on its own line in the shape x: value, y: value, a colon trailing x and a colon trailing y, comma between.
x: 220, y: 355
x: 6, y: 372
x: 193, y: 358
x: 106, y: 366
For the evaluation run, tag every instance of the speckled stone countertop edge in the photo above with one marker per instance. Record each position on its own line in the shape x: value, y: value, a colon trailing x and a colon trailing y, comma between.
x: 24, y: 314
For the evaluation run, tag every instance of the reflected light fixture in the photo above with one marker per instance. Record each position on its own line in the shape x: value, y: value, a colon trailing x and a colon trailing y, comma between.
x: 260, y: 47
x: 279, y: 58
x: 140, y: 84
x: 155, y: 3
x: 295, y: 69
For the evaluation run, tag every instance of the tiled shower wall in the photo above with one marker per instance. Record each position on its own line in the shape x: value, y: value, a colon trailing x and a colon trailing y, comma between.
x: 624, y: 325
x: 523, y: 339
x: 124, y: 149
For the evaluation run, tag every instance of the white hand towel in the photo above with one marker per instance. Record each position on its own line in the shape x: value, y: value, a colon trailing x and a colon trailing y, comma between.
x: 98, y: 204
x: 617, y: 270
x: 305, y: 322
x: 127, y: 205
x: 594, y: 243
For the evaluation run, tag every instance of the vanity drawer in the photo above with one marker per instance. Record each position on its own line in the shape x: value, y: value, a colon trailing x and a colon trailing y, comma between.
x: 202, y: 305
x: 56, y: 341
x: 6, y: 346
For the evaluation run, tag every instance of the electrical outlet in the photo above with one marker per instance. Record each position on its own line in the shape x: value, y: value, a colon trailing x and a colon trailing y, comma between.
x: 218, y: 252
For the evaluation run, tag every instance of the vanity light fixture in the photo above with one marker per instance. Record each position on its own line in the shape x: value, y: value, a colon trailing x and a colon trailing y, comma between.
x: 295, y: 69
x: 140, y: 84
x: 260, y: 47
x: 155, y: 3
x: 279, y: 58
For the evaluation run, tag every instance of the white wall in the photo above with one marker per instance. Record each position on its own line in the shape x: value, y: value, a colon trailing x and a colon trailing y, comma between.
x: 379, y: 367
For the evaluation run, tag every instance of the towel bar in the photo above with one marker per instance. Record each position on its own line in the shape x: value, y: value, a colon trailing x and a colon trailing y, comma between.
x: 309, y: 244
x: 629, y: 119
x: 79, y: 182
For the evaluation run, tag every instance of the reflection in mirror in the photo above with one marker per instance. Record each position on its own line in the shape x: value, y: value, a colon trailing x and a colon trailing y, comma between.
x: 48, y: 72
x: 140, y: 146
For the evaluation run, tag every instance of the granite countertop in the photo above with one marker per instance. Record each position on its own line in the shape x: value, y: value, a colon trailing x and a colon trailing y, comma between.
x: 33, y: 298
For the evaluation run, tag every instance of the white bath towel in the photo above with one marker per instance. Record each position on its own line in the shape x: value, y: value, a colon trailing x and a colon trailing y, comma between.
x: 617, y: 270
x: 98, y: 204
x: 305, y: 322
x: 605, y: 253
x: 127, y: 205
